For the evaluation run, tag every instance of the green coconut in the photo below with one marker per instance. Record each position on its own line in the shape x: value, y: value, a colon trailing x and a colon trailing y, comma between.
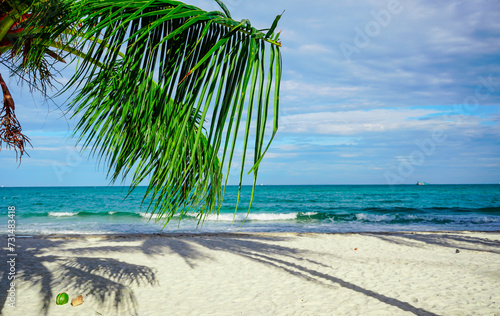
x: 62, y: 298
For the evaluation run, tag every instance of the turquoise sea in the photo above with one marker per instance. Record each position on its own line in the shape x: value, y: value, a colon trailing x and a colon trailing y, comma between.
x: 314, y: 208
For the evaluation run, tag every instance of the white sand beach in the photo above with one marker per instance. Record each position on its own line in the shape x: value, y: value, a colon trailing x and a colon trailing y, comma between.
x: 258, y: 274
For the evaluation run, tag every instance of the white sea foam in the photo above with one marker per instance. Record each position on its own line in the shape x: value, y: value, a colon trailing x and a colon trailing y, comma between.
x: 111, y: 212
x: 484, y: 220
x: 373, y: 217
x: 310, y: 213
x: 229, y: 217
x: 253, y: 217
x: 62, y: 214
x: 149, y: 215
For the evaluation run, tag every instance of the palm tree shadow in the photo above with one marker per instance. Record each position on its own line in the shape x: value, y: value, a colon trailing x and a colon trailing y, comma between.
x: 257, y: 248
x: 151, y: 245
x: 103, y: 280
x: 454, y: 240
x: 107, y: 279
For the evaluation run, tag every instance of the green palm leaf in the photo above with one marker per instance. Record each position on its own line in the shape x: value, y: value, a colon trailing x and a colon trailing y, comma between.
x: 162, y: 89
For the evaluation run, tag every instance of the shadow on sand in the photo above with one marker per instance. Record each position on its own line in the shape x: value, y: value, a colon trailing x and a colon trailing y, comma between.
x: 454, y: 240
x: 90, y: 268
x: 106, y: 279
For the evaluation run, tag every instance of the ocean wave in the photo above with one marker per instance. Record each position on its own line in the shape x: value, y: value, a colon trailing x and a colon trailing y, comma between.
x: 265, y: 217
x: 364, y: 215
x: 81, y: 214
x: 374, y: 218
x: 148, y: 215
x: 490, y: 210
x: 309, y: 213
x: 62, y: 214
x: 485, y: 220
x: 239, y: 217
x: 414, y: 219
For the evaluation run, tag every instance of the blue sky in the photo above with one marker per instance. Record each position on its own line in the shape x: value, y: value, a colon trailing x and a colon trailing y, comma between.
x: 373, y: 92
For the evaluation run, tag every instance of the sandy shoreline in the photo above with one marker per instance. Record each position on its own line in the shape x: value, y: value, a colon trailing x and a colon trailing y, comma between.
x: 257, y: 274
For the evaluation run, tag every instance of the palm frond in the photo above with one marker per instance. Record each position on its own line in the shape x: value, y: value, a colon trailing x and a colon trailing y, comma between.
x: 162, y: 90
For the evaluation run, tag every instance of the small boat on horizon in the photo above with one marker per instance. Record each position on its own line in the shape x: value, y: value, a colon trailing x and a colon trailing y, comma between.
x: 421, y: 183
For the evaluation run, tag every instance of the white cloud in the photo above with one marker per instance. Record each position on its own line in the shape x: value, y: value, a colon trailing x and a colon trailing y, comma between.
x: 313, y: 49
x: 294, y: 89
x: 287, y: 147
x: 274, y: 155
x: 38, y: 148
x: 357, y: 122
